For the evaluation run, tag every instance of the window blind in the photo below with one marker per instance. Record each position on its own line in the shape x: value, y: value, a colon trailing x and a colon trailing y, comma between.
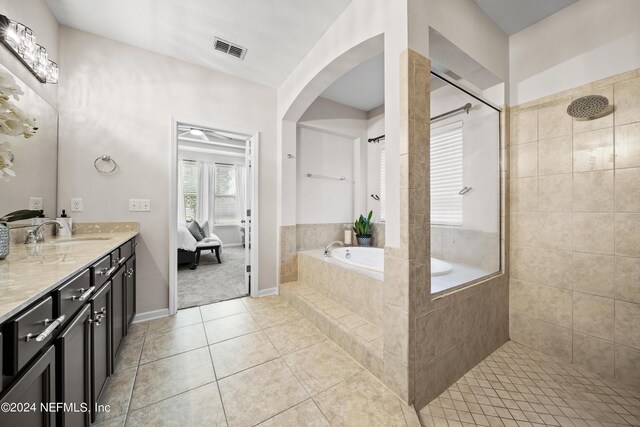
x: 446, y: 174
x: 226, y: 211
x: 383, y: 184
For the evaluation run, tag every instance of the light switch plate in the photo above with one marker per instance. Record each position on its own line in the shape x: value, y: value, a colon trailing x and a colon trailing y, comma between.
x: 139, y: 205
x: 76, y: 205
x: 35, y: 203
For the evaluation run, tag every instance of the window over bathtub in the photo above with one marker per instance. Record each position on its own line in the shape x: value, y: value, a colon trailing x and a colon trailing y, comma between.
x: 446, y: 174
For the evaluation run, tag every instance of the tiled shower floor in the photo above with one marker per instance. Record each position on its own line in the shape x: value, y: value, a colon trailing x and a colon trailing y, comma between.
x: 243, y: 362
x: 517, y: 386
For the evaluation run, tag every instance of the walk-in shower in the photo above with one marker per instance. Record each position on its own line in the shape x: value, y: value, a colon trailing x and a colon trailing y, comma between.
x: 465, y: 184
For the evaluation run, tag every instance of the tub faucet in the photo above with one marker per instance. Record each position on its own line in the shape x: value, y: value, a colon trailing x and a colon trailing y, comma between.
x: 36, y: 236
x: 327, y: 251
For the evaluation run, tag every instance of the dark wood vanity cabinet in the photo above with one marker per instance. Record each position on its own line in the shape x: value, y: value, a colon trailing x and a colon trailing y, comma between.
x: 73, y: 351
x: 85, y: 320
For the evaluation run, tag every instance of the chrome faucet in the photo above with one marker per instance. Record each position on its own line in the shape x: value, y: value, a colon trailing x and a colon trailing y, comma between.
x: 36, y: 236
x: 327, y: 251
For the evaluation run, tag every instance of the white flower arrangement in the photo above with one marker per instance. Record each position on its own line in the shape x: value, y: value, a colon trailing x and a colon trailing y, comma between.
x: 13, y: 122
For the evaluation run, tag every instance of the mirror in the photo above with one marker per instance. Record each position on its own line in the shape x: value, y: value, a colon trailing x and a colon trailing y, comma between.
x: 34, y: 159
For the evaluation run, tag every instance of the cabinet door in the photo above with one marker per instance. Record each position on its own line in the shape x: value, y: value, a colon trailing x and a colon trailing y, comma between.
x: 130, y: 294
x: 100, y: 343
x: 33, y: 388
x: 73, y: 348
x: 118, y: 310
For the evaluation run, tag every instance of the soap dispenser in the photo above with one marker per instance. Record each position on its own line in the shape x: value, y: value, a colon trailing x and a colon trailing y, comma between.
x: 66, y: 221
x: 40, y: 219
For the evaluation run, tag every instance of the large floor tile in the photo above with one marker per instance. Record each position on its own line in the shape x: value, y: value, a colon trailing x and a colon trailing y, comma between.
x: 198, y: 407
x: 360, y: 401
x: 230, y: 327
x: 222, y: 309
x: 305, y: 414
x: 241, y: 353
x: 168, y: 377
x: 293, y: 336
x: 173, y: 341
x: 111, y: 422
x: 259, y: 393
x: 118, y: 394
x: 130, y: 352
x: 188, y: 316
x: 262, y: 302
x: 137, y: 330
x: 321, y: 366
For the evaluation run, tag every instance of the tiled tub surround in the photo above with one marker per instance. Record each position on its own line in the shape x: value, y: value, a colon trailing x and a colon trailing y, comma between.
x: 30, y: 271
x: 244, y: 362
x: 575, y: 253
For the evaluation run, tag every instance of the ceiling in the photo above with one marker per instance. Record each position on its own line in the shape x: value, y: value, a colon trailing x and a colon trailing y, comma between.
x: 362, y: 87
x: 276, y: 33
x: 513, y: 16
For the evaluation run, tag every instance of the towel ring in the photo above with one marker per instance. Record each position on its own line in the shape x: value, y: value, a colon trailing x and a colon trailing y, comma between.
x: 105, y: 159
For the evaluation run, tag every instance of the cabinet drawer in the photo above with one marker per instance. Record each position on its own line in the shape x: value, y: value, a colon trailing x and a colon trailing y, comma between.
x: 126, y: 250
x: 115, y: 258
x: 101, y: 271
x: 69, y: 297
x: 28, y: 333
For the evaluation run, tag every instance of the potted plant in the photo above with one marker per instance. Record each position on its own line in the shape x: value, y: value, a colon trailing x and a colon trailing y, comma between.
x: 4, y: 229
x: 362, y: 228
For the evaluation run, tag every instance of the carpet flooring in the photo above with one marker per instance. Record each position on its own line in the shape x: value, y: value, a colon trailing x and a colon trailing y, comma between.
x: 212, y: 282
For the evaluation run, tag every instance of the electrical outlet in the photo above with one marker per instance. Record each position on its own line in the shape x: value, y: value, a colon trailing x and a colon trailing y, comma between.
x: 139, y: 205
x: 35, y: 203
x: 76, y: 205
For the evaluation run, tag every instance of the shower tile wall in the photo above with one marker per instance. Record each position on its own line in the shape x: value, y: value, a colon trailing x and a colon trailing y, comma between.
x: 575, y: 230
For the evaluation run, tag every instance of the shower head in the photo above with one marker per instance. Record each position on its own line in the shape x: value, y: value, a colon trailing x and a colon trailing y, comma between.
x: 589, y: 107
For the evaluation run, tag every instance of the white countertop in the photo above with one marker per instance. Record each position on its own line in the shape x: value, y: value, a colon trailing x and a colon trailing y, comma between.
x: 31, y: 271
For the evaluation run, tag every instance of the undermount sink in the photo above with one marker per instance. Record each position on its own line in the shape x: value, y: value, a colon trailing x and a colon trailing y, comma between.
x: 77, y: 241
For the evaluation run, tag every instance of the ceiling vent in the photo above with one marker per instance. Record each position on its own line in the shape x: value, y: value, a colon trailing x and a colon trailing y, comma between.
x: 229, y: 48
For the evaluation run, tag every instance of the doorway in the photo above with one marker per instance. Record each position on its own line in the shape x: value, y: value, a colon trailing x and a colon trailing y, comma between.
x: 213, y: 215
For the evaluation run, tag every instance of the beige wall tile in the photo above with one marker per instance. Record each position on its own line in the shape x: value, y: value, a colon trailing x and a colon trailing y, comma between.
x: 553, y: 120
x: 425, y: 338
x: 628, y: 190
x: 628, y: 235
x: 593, y: 315
x: 627, y: 101
x: 525, y: 228
x: 555, y: 230
x: 555, y: 306
x: 424, y: 384
x: 524, y: 297
x: 628, y: 146
x: 554, y: 193
x: 628, y: 279
x: 594, y: 354
x: 554, y: 268
x: 593, y: 150
x: 603, y: 122
x: 524, y: 160
x: 555, y: 341
x: 593, y: 191
x: 449, y: 367
x: 524, y: 126
x: 523, y: 263
x: 523, y: 329
x: 447, y: 327
x: 555, y: 155
x: 593, y: 233
x: 627, y: 362
x: 594, y: 274
x: 524, y: 194
x: 628, y: 324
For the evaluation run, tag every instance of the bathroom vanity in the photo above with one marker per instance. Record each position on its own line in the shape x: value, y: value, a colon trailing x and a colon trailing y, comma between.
x: 65, y: 306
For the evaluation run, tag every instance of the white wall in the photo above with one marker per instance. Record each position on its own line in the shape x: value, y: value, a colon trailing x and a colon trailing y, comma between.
x: 36, y: 15
x: 587, y: 41
x: 375, y: 128
x: 118, y: 100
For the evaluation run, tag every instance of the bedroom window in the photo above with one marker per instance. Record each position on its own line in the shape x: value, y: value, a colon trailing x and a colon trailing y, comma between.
x: 226, y: 211
x: 190, y: 174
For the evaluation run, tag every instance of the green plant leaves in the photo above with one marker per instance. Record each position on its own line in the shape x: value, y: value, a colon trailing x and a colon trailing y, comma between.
x: 19, y: 215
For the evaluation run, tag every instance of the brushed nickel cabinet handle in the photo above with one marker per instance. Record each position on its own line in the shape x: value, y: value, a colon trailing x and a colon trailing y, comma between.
x: 44, y: 334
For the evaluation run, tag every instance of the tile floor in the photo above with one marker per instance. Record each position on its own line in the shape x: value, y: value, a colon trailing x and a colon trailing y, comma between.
x: 243, y: 362
x: 517, y: 386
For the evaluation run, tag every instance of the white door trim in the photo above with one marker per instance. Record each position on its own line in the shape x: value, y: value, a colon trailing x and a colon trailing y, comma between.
x: 173, y: 205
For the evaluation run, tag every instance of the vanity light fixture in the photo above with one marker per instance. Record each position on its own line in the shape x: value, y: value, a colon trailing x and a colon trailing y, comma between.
x: 21, y: 41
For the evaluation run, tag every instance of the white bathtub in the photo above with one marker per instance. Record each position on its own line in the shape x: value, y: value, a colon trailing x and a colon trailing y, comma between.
x: 373, y: 259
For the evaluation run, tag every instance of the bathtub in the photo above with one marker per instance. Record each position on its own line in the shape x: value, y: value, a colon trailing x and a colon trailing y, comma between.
x: 373, y: 259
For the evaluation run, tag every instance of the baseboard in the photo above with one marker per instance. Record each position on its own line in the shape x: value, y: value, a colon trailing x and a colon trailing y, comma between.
x: 231, y: 245
x: 267, y: 292
x: 151, y: 315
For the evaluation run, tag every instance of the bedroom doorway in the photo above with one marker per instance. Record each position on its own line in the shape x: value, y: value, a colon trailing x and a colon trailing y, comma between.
x: 214, y: 236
